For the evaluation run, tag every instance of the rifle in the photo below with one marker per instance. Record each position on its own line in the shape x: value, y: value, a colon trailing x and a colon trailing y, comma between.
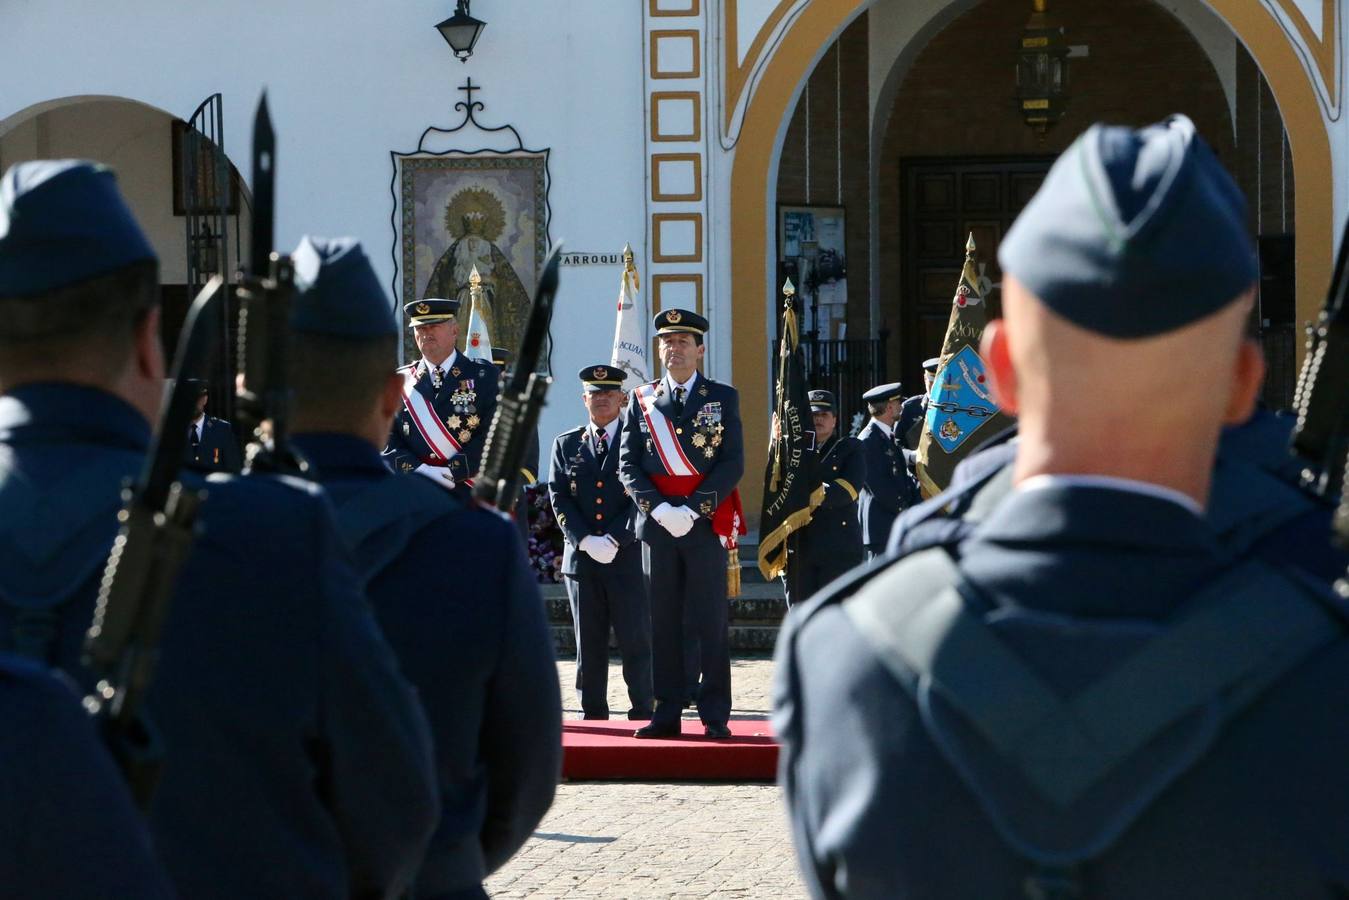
x: 1321, y: 436
x: 517, y: 412
x: 158, y: 519
x: 266, y: 290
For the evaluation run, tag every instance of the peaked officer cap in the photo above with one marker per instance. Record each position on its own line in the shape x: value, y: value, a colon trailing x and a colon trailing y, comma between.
x: 821, y: 401
x: 1134, y: 232
x: 931, y: 363
x: 62, y: 222
x: 430, y: 311
x: 603, y: 377
x: 502, y: 357
x: 671, y: 321
x: 337, y: 292
x: 883, y: 392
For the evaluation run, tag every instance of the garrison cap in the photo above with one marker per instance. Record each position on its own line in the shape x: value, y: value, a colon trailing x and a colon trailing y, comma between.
x: 821, y: 401
x: 603, y: 377
x: 430, y: 311
x: 672, y: 321
x: 62, y: 222
x: 337, y: 293
x: 883, y: 392
x: 501, y: 357
x: 931, y: 364
x: 1134, y: 233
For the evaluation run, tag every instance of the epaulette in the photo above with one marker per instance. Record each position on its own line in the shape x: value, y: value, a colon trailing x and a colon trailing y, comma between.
x: 407, y: 368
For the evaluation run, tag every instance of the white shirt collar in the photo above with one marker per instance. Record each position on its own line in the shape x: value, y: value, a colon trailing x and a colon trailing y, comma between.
x: 1110, y: 482
x: 686, y: 385
x: 609, y: 430
x: 445, y: 366
x: 888, y: 429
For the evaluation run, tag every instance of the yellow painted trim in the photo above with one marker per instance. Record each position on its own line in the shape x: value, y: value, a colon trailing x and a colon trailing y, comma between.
x: 693, y: 37
x: 847, y: 486
x: 752, y: 197
x: 1321, y: 49
x: 737, y: 74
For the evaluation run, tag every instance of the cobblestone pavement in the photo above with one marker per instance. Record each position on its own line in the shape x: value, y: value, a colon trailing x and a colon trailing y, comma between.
x: 644, y: 840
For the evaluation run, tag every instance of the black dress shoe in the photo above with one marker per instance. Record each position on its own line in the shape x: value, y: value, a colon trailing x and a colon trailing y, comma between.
x: 720, y: 732
x: 639, y: 715
x: 659, y: 730
x: 589, y: 716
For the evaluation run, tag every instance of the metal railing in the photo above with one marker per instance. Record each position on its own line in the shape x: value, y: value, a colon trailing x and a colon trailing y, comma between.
x: 848, y: 368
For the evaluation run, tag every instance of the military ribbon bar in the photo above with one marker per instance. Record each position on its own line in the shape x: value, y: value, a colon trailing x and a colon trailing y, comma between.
x: 433, y: 431
x: 668, y: 448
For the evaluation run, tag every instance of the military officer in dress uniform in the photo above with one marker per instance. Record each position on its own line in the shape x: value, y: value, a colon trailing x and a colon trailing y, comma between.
x: 890, y: 487
x: 68, y: 828
x: 831, y: 543
x: 682, y: 456
x: 1098, y: 694
x: 448, y: 401
x: 909, y: 427
x: 297, y: 761
x: 478, y: 648
x: 601, y: 560
x: 211, y: 445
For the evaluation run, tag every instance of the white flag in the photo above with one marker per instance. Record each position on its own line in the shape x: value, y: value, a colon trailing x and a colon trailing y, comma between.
x: 630, y: 346
x: 478, y: 344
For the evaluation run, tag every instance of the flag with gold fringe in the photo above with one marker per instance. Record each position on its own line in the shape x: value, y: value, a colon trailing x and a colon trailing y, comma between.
x: 960, y: 404
x: 789, y: 473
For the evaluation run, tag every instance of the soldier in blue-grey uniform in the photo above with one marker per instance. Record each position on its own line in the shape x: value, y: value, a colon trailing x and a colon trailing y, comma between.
x: 297, y: 761
x: 1099, y: 696
x: 211, y: 445
x: 448, y: 402
x: 501, y: 358
x: 909, y: 426
x: 477, y: 647
x: 890, y: 487
x: 683, y: 432
x: 601, y: 559
x: 831, y: 543
x: 68, y: 828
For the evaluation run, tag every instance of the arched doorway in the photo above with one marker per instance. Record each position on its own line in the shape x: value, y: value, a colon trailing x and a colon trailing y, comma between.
x: 758, y: 153
x: 144, y: 145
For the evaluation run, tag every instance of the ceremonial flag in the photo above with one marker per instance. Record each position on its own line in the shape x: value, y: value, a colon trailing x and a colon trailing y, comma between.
x: 630, y: 345
x: 478, y: 343
x: 788, y: 475
x: 960, y: 403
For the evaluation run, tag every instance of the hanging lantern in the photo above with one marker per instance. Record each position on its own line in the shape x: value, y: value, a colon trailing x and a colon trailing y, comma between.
x: 1042, y: 70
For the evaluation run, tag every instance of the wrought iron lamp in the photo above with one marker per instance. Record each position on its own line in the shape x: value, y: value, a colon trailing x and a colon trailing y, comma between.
x: 1042, y: 70
x: 461, y: 31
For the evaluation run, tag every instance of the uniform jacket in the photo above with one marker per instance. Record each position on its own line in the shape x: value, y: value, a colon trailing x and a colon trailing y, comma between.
x: 289, y: 733
x: 217, y: 451
x: 68, y: 828
x: 587, y: 496
x: 889, y: 486
x: 834, y: 532
x: 710, y: 433
x: 478, y: 649
x: 911, y: 413
x: 465, y: 404
x: 1261, y: 814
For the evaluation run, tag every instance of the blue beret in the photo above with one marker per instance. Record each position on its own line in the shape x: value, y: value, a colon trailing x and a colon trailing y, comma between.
x: 1134, y: 233
x: 338, y: 293
x: 63, y: 222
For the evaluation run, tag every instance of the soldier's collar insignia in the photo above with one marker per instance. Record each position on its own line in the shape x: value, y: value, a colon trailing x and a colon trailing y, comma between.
x: 455, y: 371
x: 673, y: 317
x: 423, y: 308
x: 703, y: 390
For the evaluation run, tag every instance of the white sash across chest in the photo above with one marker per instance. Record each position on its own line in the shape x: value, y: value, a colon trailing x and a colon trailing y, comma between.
x: 668, y: 448
x: 423, y: 415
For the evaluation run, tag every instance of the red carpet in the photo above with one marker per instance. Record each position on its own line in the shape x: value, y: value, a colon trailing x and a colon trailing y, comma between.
x: 607, y: 750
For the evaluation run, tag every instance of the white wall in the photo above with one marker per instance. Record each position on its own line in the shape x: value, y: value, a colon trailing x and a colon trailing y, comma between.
x: 350, y: 81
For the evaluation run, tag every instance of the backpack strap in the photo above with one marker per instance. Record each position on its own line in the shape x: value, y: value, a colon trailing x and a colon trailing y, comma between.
x: 378, y: 521
x: 1235, y: 639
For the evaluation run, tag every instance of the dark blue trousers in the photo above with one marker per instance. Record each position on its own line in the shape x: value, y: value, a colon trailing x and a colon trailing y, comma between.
x: 604, y: 596
x: 689, y: 575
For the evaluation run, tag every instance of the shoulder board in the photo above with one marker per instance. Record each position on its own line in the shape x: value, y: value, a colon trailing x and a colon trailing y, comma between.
x: 407, y: 368
x: 569, y: 432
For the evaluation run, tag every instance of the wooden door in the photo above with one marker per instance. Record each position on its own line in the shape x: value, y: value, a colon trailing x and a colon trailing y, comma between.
x: 943, y: 201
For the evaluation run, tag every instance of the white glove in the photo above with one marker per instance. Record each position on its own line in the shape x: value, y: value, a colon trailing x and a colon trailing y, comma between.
x: 439, y: 474
x: 664, y: 515
x: 679, y: 520
x: 601, y: 548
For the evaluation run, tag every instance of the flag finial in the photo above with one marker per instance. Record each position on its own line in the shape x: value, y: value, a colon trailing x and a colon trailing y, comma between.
x: 969, y: 246
x: 788, y: 289
x: 627, y: 253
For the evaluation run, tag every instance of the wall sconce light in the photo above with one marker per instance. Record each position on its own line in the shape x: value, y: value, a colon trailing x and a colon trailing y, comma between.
x: 1042, y: 70
x: 461, y: 31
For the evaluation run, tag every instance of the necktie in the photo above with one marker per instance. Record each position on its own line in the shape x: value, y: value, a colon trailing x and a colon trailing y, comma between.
x: 679, y: 400
x: 193, y: 437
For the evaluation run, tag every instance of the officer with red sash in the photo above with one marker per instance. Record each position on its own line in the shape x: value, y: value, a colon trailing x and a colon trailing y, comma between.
x: 448, y: 400
x: 681, y: 457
